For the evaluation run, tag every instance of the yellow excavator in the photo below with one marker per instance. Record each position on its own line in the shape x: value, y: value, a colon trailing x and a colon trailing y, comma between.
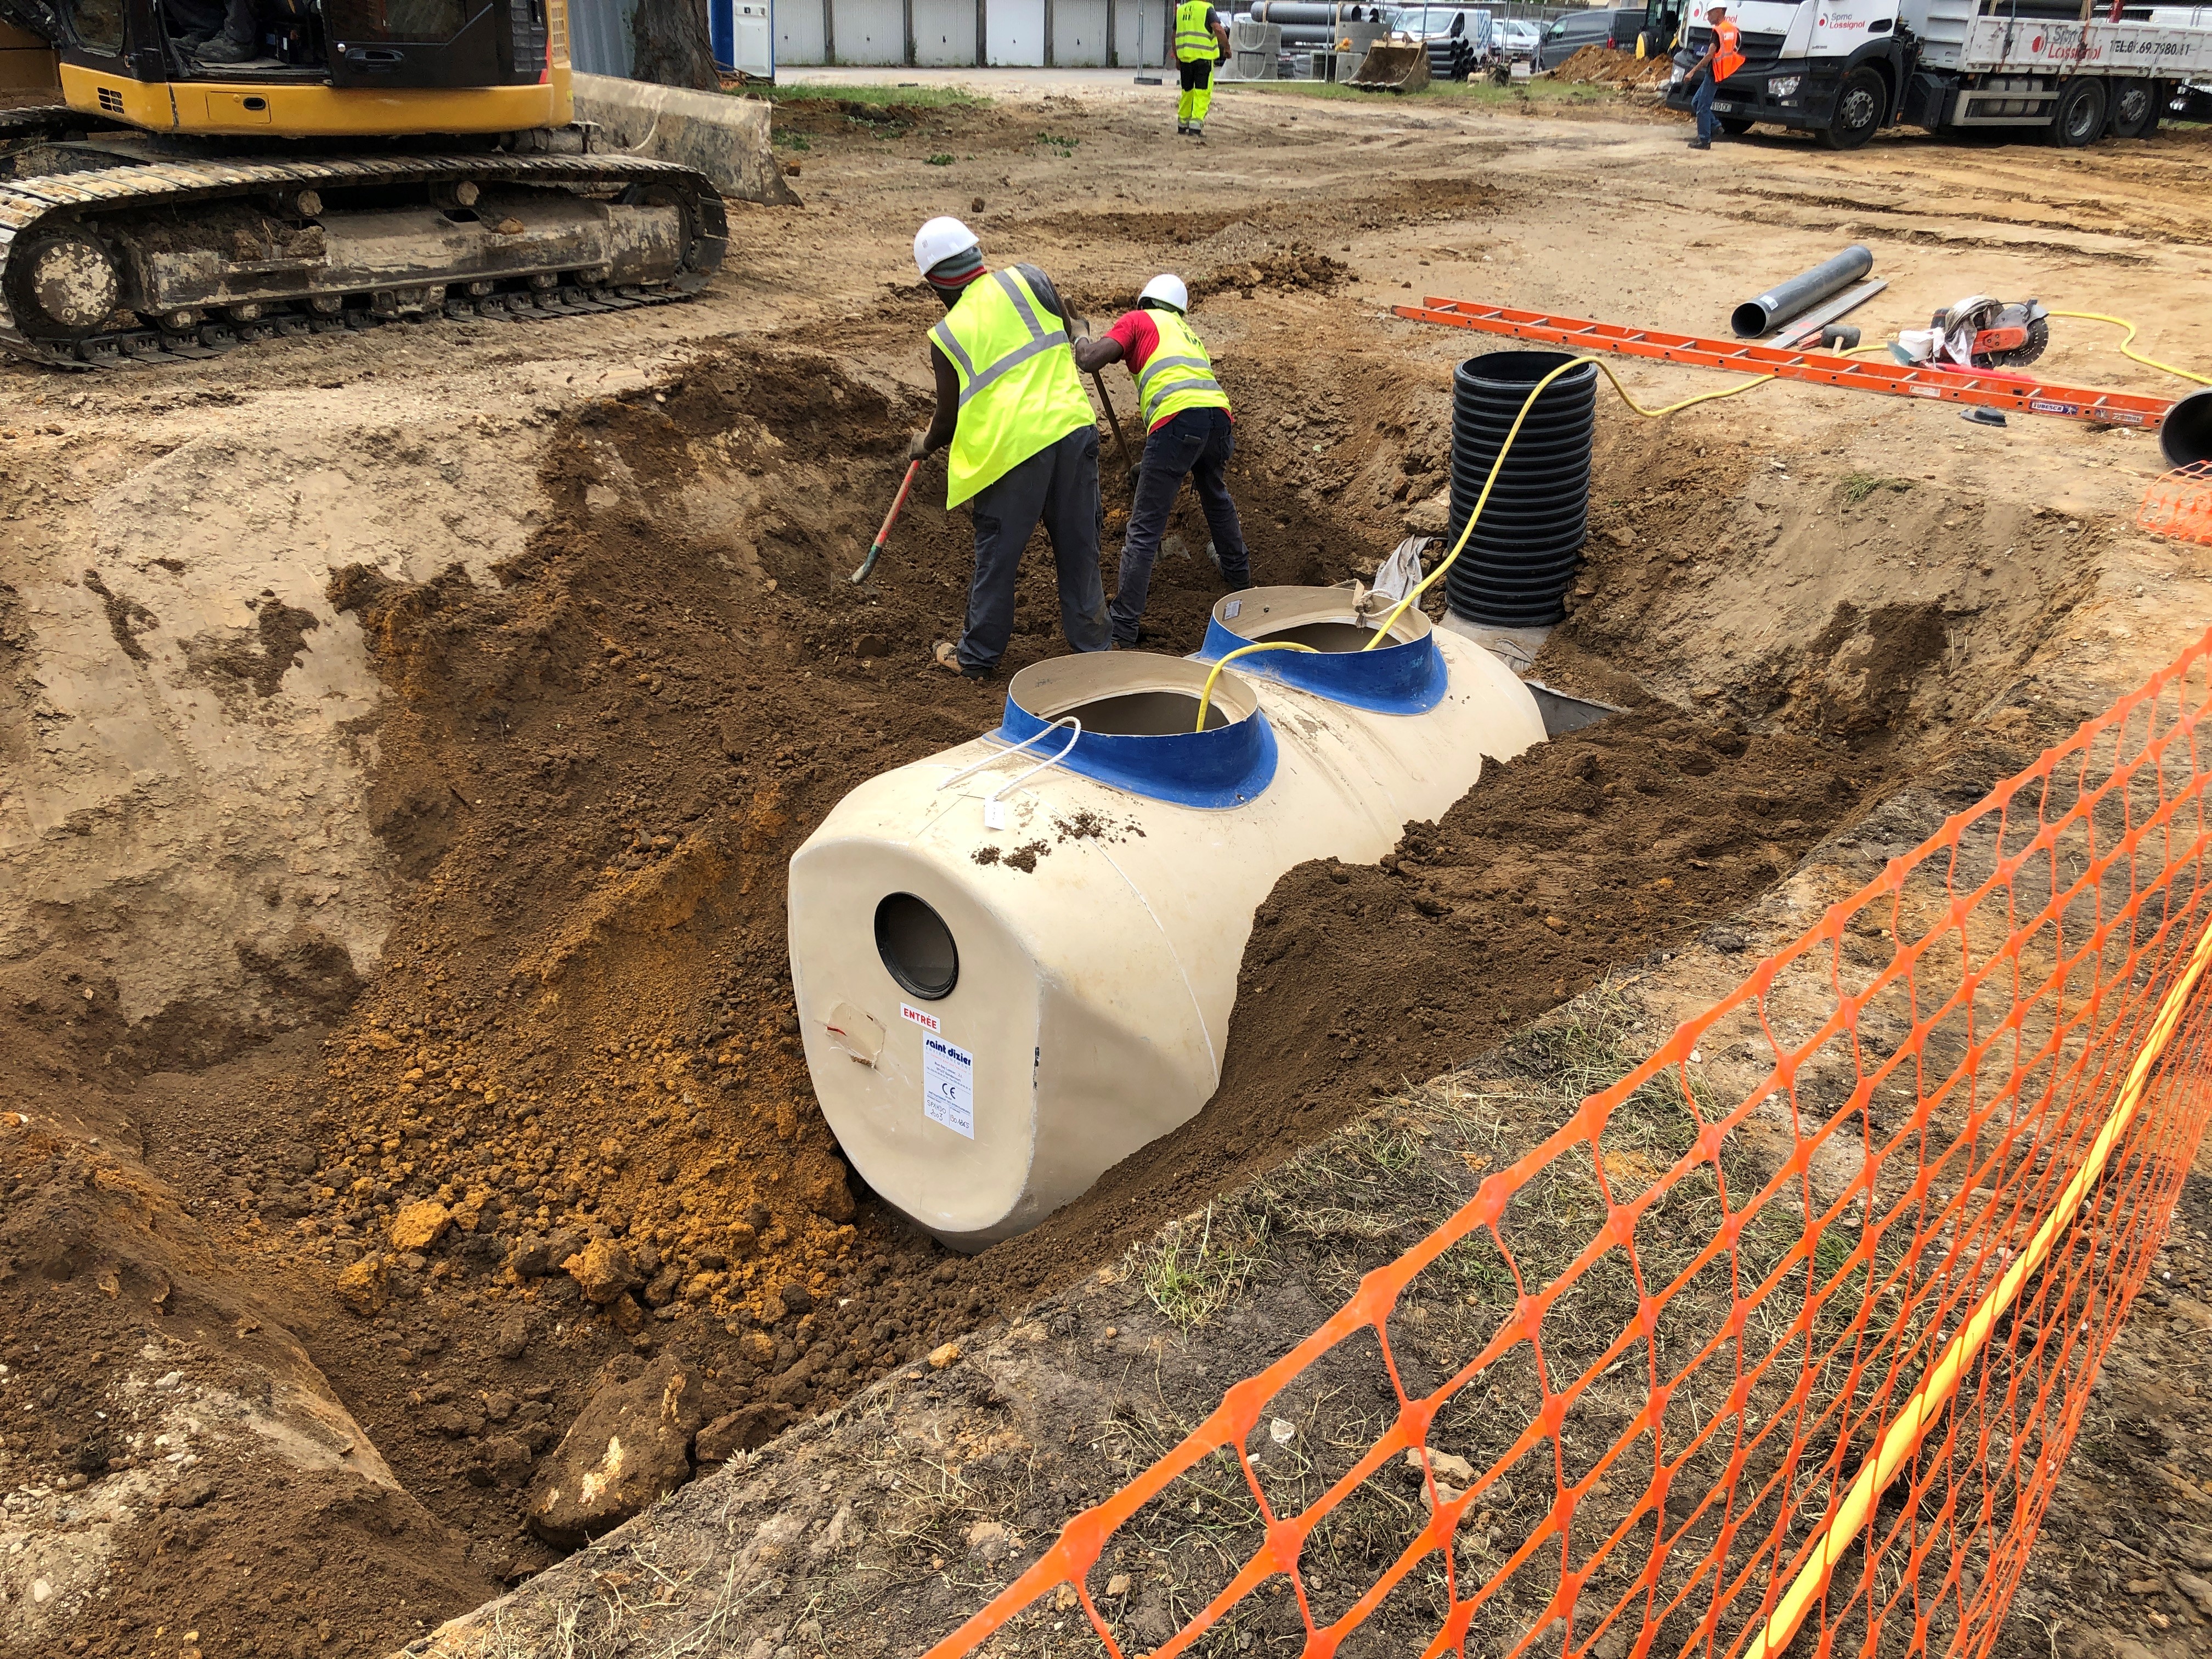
x: 220, y: 171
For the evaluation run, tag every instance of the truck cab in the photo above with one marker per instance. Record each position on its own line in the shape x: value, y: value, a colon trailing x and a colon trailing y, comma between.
x: 1838, y: 68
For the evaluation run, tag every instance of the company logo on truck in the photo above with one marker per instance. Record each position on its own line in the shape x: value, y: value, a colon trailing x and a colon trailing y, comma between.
x: 2064, y: 47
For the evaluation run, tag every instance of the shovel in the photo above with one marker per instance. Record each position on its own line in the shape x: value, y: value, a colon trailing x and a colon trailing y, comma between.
x: 875, y: 547
x: 1113, y: 420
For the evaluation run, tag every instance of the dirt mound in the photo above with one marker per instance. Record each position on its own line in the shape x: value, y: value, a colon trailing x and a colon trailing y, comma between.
x: 1602, y: 66
x: 1295, y: 266
x: 164, y: 1422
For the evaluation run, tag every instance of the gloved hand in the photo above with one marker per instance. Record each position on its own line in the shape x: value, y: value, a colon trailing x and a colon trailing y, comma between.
x: 917, y: 446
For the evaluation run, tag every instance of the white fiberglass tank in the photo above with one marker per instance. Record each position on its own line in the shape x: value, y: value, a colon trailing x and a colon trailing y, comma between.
x: 1011, y: 978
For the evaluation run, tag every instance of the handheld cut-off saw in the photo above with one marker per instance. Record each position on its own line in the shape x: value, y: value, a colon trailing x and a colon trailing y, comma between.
x: 1978, y: 332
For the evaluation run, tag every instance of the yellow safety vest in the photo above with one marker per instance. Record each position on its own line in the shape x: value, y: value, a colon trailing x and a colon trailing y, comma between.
x: 1018, y: 388
x: 1178, y: 375
x: 1194, y: 42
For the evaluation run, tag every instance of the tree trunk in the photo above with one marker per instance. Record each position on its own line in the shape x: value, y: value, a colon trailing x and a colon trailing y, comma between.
x: 671, y: 45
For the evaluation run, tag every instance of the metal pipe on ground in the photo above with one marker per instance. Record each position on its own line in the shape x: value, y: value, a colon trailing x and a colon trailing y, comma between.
x: 1811, y: 323
x: 1755, y: 318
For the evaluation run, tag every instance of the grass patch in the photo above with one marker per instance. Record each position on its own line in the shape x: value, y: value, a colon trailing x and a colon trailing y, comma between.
x: 1198, y: 1268
x: 1855, y: 487
x: 922, y: 97
x: 1064, y: 145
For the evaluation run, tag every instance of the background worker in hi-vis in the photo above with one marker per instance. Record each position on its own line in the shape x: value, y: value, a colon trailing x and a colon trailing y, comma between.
x: 1201, y: 39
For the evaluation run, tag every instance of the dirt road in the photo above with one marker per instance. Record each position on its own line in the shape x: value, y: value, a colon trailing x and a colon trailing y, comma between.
x: 402, y: 738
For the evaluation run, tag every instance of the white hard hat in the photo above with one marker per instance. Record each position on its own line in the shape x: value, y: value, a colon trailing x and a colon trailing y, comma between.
x: 938, y: 240
x: 1167, y: 288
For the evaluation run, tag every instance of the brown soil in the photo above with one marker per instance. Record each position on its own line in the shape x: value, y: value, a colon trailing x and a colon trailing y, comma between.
x: 593, y: 758
x: 1601, y: 66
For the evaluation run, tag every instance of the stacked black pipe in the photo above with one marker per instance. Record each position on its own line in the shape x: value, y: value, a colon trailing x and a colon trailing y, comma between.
x: 1519, y: 562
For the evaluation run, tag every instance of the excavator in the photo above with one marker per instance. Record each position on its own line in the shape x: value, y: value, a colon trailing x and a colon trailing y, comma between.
x: 216, y: 172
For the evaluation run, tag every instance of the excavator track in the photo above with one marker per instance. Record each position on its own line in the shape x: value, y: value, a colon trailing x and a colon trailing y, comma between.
x: 31, y: 208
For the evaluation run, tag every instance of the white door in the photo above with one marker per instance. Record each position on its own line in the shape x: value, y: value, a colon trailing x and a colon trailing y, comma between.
x: 945, y: 32
x: 1079, y: 33
x: 870, y: 32
x: 753, y: 35
x: 1016, y: 34
x: 799, y: 31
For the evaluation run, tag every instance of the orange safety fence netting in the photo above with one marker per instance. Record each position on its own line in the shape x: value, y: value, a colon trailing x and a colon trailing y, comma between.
x: 1815, y: 1349
x: 2179, y: 504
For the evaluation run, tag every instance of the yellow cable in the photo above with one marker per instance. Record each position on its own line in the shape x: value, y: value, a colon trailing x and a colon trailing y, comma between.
x: 1205, y: 696
x: 1903, y: 1436
x: 2122, y: 322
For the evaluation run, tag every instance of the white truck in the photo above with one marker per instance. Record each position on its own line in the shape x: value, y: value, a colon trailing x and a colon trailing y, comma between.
x: 1844, y: 69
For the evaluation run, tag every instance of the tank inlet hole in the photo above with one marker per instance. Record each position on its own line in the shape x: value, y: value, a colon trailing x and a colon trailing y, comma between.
x: 917, y: 947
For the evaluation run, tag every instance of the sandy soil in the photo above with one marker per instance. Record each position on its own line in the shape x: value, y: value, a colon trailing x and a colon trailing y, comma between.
x: 402, y: 736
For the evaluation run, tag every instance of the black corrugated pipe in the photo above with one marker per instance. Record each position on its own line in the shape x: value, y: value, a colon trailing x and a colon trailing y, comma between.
x: 2185, y: 435
x: 1517, y: 565
x: 1785, y: 300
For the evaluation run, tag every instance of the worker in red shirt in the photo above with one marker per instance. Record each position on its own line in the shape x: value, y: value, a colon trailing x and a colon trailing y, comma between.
x: 1189, y: 432
x: 1722, y: 59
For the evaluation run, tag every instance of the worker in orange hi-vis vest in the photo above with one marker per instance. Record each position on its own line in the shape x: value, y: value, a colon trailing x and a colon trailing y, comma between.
x: 1722, y: 59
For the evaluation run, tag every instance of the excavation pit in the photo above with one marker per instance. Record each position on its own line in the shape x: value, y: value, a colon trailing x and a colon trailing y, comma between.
x: 603, y: 735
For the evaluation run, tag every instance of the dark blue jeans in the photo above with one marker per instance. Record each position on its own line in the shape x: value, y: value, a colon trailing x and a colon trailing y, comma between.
x: 1701, y: 101
x: 1196, y: 443
x: 1058, y: 488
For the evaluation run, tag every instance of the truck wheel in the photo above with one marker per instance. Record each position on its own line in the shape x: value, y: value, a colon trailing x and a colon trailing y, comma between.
x: 2077, y: 116
x: 1859, y: 104
x: 2135, y: 108
x: 1734, y: 125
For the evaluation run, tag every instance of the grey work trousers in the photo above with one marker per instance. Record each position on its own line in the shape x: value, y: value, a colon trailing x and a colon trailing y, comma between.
x: 1058, y: 485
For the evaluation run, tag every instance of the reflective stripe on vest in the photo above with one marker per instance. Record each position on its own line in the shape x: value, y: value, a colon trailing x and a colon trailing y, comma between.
x: 1178, y: 375
x: 1019, y: 392
x: 1192, y: 40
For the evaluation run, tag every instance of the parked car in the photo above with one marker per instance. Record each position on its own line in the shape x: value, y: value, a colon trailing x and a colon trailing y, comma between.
x: 1517, y: 37
x: 1600, y: 25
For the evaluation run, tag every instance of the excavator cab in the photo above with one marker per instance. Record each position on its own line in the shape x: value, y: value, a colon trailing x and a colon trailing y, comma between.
x: 271, y: 68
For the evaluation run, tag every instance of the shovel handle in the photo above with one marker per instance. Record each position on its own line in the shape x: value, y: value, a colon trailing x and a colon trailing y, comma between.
x: 875, y: 547
x: 1113, y: 420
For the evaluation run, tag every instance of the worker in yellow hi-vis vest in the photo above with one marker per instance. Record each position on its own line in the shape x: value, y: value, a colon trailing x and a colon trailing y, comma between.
x: 1200, y: 40
x: 1188, y: 434
x: 1024, y: 441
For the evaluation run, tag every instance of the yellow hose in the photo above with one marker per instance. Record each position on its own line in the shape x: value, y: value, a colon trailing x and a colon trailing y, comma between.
x: 1903, y: 1436
x: 1205, y: 696
x: 1513, y: 432
x: 2122, y: 322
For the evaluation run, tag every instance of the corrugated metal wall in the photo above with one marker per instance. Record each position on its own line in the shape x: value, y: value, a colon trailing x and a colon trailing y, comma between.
x: 943, y: 32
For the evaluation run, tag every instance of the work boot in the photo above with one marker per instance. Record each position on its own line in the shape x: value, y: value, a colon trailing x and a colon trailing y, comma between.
x: 1182, y: 126
x: 224, y: 49
x: 1701, y: 143
x: 1198, y: 129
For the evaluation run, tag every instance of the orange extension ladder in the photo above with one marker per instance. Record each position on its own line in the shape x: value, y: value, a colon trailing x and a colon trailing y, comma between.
x: 2007, y: 390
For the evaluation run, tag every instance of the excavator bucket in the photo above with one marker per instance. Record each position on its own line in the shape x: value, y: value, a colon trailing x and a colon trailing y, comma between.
x: 1393, y: 66
x: 724, y: 138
